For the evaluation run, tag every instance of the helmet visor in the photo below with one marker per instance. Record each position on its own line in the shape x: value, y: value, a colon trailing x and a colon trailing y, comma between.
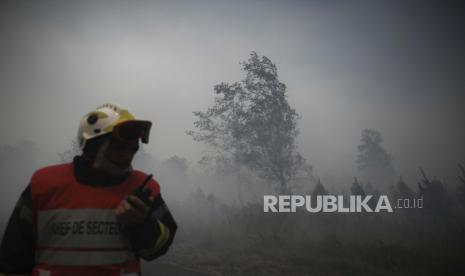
x: 133, y: 129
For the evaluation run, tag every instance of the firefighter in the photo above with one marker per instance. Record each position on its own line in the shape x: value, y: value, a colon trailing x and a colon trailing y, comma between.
x: 94, y: 216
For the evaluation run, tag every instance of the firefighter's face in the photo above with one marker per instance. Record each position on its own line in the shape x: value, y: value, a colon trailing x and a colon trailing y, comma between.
x: 121, y: 152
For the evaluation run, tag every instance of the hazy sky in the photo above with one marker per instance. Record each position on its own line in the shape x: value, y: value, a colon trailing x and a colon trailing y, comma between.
x: 395, y: 66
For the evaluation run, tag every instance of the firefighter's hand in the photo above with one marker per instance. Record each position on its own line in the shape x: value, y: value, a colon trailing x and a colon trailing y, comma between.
x: 131, y: 215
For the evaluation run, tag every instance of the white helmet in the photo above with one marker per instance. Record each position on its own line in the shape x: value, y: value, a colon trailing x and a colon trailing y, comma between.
x: 112, y: 118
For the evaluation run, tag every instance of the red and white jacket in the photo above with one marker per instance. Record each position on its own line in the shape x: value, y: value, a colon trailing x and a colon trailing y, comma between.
x: 74, y: 228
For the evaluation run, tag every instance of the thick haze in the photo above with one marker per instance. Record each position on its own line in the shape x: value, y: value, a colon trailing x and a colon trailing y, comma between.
x: 395, y: 66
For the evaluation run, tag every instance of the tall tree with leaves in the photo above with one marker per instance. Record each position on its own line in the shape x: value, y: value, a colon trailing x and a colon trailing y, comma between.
x: 252, y: 124
x: 374, y: 162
